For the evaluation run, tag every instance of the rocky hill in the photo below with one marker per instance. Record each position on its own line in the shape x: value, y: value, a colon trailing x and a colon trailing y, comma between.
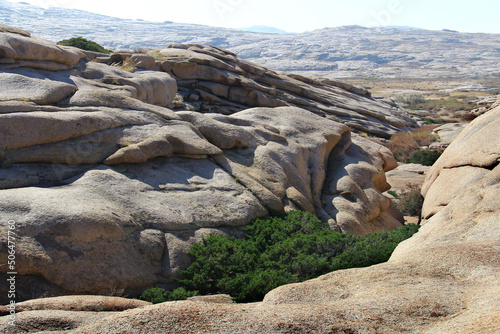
x: 109, y: 185
x: 109, y: 177
x: 333, y: 52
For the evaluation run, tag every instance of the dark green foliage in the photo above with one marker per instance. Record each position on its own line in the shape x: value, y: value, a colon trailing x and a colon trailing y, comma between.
x: 410, y: 203
x: 281, y: 250
x: 159, y: 295
x: 423, y: 157
x: 84, y: 44
x: 429, y: 120
x: 373, y: 248
x: 393, y: 193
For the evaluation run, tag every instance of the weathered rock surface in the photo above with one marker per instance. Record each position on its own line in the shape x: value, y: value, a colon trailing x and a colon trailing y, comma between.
x: 124, y: 221
x: 406, y: 176
x: 466, y: 162
x: 78, y: 304
x: 19, y: 48
x: 446, y: 133
x: 216, y: 80
x: 109, y: 187
x: 445, y: 279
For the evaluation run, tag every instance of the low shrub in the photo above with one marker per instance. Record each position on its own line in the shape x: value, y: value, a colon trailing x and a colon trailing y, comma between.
x: 429, y: 120
x: 424, y: 157
x: 84, y: 44
x: 393, y: 193
x: 159, y: 295
x: 410, y: 202
x: 412, y: 141
x: 412, y: 100
x: 469, y: 117
x: 281, y: 250
x: 128, y: 65
x: 406, y: 146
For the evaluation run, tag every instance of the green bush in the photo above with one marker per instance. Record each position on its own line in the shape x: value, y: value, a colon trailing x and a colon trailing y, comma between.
x: 410, y: 202
x: 411, y: 100
x: 84, y: 44
x: 429, y: 120
x: 281, y: 250
x: 159, y: 295
x: 393, y: 193
x: 423, y: 157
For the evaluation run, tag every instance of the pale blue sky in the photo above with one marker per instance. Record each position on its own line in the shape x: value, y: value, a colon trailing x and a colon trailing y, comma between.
x: 302, y: 15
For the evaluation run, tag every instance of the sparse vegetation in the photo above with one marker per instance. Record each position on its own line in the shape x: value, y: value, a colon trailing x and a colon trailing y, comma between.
x: 406, y: 146
x: 156, y: 54
x: 411, y: 101
x: 128, y: 65
x: 469, y: 117
x: 277, y: 251
x: 424, y: 157
x: 159, y: 295
x: 84, y: 44
x: 393, y: 193
x: 442, y: 100
x: 430, y: 120
x: 410, y: 202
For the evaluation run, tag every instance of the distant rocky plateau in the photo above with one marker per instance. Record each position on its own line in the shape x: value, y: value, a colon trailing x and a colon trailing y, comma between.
x: 342, y: 52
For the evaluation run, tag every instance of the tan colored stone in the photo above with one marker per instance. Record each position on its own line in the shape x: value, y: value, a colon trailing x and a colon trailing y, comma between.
x: 19, y: 46
x: 77, y: 303
x: 24, y: 88
x: 143, y: 61
x: 406, y: 176
x: 448, y: 132
x: 450, y: 183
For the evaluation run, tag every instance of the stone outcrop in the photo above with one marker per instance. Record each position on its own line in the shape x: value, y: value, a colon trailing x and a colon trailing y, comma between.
x: 470, y: 158
x: 216, y: 80
x: 406, y: 176
x: 445, y: 279
x: 109, y: 187
x: 19, y: 49
x: 446, y: 133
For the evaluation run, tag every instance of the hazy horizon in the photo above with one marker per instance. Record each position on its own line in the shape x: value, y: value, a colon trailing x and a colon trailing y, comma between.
x: 300, y: 16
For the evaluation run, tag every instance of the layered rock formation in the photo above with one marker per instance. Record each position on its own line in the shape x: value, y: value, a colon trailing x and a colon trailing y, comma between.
x: 215, y: 80
x: 445, y: 279
x: 109, y: 187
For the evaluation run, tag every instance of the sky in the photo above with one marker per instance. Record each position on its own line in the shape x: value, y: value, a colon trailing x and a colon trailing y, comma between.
x: 301, y: 15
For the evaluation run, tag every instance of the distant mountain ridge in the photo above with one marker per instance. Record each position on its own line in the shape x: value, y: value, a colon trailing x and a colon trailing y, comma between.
x: 350, y: 51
